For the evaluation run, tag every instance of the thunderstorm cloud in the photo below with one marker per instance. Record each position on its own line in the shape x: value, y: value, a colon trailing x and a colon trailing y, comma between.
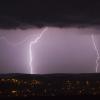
x: 37, y: 13
x: 66, y: 47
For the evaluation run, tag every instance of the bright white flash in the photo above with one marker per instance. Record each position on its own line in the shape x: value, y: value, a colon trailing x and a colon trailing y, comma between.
x: 97, y: 51
x: 30, y: 48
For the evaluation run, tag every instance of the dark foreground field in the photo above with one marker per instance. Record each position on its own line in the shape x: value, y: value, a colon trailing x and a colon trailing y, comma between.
x: 49, y: 85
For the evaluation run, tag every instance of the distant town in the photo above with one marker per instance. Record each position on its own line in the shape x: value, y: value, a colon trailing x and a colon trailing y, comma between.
x: 15, y: 85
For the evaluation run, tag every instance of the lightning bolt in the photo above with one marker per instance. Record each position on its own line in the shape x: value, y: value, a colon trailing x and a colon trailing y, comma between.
x: 30, y: 48
x: 13, y: 44
x: 97, y: 52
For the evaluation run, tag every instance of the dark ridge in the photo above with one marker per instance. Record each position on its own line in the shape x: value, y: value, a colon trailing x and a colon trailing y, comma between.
x: 83, y: 76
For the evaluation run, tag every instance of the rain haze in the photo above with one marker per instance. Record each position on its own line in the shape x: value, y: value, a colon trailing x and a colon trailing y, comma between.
x: 60, y: 50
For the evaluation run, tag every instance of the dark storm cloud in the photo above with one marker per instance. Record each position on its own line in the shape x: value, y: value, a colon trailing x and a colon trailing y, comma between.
x: 37, y: 13
x: 8, y: 22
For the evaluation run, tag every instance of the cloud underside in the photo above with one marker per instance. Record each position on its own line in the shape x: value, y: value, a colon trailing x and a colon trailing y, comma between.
x: 70, y: 21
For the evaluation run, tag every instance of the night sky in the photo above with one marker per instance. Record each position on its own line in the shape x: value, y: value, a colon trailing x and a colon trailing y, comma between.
x: 66, y: 47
